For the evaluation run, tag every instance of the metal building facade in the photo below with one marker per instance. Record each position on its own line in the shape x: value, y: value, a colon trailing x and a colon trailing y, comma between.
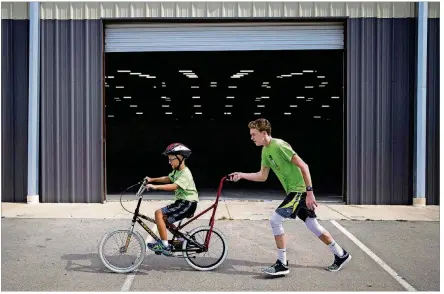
x: 378, y: 44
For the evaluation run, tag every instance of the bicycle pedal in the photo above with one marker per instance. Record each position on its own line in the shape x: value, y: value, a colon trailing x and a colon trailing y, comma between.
x: 158, y: 253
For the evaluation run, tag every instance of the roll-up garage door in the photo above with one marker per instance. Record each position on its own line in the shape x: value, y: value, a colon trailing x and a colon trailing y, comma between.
x: 139, y: 37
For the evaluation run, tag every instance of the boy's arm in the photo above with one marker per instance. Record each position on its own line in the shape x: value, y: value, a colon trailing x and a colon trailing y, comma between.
x: 163, y: 180
x: 166, y: 187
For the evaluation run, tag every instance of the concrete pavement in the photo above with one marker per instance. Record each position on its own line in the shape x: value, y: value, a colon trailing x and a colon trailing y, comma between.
x: 232, y: 209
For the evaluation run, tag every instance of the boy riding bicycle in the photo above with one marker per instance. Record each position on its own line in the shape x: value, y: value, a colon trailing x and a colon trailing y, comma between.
x: 180, y: 180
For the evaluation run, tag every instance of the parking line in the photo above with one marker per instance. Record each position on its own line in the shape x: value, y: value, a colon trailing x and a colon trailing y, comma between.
x: 378, y: 260
x: 130, y: 278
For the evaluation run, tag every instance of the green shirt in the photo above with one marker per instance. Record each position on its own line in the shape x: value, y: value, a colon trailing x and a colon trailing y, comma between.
x: 277, y: 156
x: 187, y: 189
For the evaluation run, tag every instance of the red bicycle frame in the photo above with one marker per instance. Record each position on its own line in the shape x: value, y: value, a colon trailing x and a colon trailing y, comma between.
x: 213, y: 206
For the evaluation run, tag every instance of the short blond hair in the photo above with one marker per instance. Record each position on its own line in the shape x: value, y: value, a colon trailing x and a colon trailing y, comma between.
x: 260, y: 124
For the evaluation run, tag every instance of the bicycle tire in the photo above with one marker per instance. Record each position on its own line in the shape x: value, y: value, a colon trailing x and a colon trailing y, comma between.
x: 139, y: 260
x: 215, y: 232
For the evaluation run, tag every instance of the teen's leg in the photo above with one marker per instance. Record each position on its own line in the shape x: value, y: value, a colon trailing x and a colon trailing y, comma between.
x: 161, y: 226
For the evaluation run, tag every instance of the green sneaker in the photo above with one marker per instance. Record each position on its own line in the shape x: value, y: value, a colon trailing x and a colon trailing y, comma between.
x: 159, y: 247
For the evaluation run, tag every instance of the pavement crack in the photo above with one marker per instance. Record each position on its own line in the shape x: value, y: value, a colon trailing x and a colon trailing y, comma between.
x: 338, y: 212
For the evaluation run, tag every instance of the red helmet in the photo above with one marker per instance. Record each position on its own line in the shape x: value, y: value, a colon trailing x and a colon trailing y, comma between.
x: 177, y: 149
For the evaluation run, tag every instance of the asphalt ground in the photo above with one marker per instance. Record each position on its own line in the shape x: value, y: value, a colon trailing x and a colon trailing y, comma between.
x: 62, y: 255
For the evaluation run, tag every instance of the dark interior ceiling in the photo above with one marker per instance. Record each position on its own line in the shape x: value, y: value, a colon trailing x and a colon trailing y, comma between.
x: 206, y: 99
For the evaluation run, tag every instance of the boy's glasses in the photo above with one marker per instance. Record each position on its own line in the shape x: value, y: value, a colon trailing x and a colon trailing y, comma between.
x: 171, y: 160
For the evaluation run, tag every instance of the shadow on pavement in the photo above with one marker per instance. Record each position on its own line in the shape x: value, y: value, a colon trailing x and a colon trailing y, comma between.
x: 153, y: 262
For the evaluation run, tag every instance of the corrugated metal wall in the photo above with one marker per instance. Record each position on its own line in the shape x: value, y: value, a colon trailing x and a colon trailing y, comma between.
x: 432, y: 187
x: 71, y: 111
x: 380, y: 90
x: 15, y: 57
x: 97, y: 10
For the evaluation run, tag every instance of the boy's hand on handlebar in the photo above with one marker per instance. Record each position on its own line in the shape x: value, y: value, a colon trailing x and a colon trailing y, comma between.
x: 235, y: 176
x: 150, y: 187
x: 148, y: 179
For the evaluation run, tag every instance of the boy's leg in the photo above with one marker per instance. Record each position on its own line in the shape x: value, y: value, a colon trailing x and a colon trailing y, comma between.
x: 309, y: 217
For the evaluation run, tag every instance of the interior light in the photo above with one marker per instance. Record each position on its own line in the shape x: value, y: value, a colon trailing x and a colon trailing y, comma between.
x: 119, y: 87
x: 307, y: 70
x: 325, y: 106
x: 126, y: 97
x: 198, y: 112
x: 287, y: 113
x: 261, y: 106
x: 265, y: 97
x: 123, y: 70
x: 228, y: 105
x: 196, y: 97
x: 246, y: 70
x: 163, y: 97
x: 195, y: 87
x: 116, y: 98
x: 163, y: 86
x: 151, y: 77
x: 265, y: 83
x: 227, y: 113
x: 196, y: 105
x: 192, y: 76
x: 279, y: 77
x: 107, y: 86
x: 308, y: 100
x: 110, y: 115
x: 293, y: 106
x: 335, y: 97
x: 296, y: 73
x: 230, y: 97
x: 165, y: 106
x: 110, y: 77
x: 214, y: 82
x: 321, y: 77
x: 300, y: 97
x: 133, y: 105
x: 168, y: 113
x: 232, y: 87
x: 182, y: 71
x: 139, y: 112
x: 316, y: 116
x: 154, y: 87
x: 324, y: 83
x: 257, y: 113
x: 286, y: 76
x: 308, y: 87
x: 163, y: 83
x: 321, y: 86
x: 235, y: 76
x: 135, y: 73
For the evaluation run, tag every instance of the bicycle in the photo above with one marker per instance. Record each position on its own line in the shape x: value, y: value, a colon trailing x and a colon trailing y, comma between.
x: 189, y: 247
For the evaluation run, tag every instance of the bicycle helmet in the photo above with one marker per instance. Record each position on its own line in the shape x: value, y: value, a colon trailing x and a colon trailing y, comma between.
x: 178, y: 149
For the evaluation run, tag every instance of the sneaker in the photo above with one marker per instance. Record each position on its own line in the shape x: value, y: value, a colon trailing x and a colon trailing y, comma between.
x: 277, y: 269
x: 339, y: 262
x: 158, y: 247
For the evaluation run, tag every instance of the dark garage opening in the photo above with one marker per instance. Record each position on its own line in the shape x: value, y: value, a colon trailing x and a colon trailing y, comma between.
x: 206, y: 99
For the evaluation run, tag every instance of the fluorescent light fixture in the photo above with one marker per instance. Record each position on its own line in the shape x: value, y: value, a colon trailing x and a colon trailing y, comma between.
x: 163, y: 97
x: 236, y: 76
x: 287, y: 76
x: 257, y: 113
x: 287, y: 113
x: 116, y: 98
x: 107, y: 86
x: 246, y: 70
x: 165, y: 106
x: 321, y: 86
x: 182, y: 71
x: 139, y: 112
x: 228, y: 105
x: 154, y: 87
x: 151, y: 77
x: 300, y: 97
x: 123, y: 70
x: 119, y: 87
x: 168, y: 113
x: 324, y: 83
x: 232, y: 87
x: 296, y: 74
x: 133, y: 105
x: 163, y: 83
x: 192, y: 76
x: 198, y: 112
x: 126, y: 97
x: 265, y: 83
x: 163, y: 86
x: 265, y: 97
x: 214, y: 82
x: 261, y: 106
x: 195, y: 87
x: 307, y: 70
x: 325, y: 106
x: 321, y: 77
x: 197, y: 105
x: 279, y: 77
x: 111, y: 77
x: 196, y: 97
x: 308, y: 100
x: 227, y: 113
x: 316, y: 116
x: 110, y: 115
x: 293, y: 106
x: 308, y: 87
x: 230, y: 97
x: 135, y: 73
x: 335, y: 97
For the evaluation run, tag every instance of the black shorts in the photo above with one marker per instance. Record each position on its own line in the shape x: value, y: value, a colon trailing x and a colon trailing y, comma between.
x: 179, y: 210
x: 294, y: 205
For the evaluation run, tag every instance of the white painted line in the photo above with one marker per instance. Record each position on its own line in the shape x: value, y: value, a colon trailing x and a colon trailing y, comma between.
x: 378, y: 260
x: 130, y: 278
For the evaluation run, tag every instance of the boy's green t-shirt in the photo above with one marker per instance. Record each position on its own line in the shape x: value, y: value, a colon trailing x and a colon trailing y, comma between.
x: 277, y: 156
x: 187, y: 189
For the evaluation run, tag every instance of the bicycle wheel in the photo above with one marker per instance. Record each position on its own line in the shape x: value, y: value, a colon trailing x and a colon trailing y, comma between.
x: 202, y: 261
x: 122, y: 262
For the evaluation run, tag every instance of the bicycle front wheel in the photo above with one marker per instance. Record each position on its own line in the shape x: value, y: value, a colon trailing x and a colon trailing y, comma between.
x: 113, y: 254
x: 217, y: 249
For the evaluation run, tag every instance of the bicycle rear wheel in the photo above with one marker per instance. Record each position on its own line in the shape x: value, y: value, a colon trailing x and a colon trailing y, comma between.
x: 122, y: 261
x: 217, y: 248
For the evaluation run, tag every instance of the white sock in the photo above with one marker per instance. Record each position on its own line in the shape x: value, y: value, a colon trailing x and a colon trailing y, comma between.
x: 336, y: 249
x: 165, y: 243
x: 282, y: 255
